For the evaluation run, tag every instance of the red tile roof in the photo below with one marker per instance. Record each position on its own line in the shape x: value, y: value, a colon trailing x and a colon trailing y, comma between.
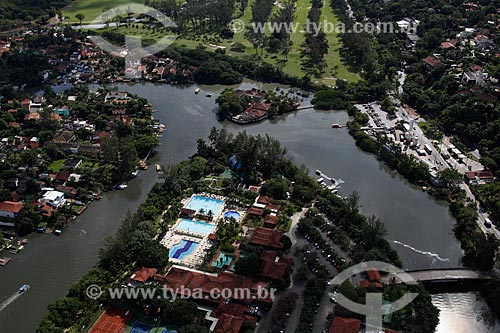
x: 255, y: 112
x: 271, y: 219
x: 11, y: 206
x: 345, y: 325
x: 229, y: 324
x: 143, y: 274
x: 262, y: 106
x: 264, y: 199
x: 366, y: 284
x: 373, y: 275
x: 267, y: 237
x: 191, y: 280
x: 432, y: 61
x: 32, y: 116
x: 256, y: 211
x: 273, y: 207
x: 479, y: 174
x: 273, y: 269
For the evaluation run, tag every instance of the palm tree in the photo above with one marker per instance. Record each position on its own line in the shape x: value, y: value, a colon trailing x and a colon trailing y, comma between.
x: 80, y: 17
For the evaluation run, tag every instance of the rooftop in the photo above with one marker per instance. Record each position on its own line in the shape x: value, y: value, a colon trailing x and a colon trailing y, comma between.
x: 267, y: 237
x: 11, y: 206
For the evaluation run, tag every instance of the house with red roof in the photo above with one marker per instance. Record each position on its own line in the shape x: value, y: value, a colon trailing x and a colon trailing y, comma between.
x: 10, y: 209
x: 479, y: 177
x: 373, y: 275
x: 275, y: 267
x: 186, y: 281
x: 268, y: 238
x: 100, y: 136
x: 264, y: 199
x: 270, y: 221
x: 35, y: 116
x: 345, y: 325
x: 432, y: 62
x: 255, y: 211
x: 141, y: 276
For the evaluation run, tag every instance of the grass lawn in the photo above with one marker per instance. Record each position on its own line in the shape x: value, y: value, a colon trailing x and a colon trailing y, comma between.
x: 336, y: 68
x: 91, y: 9
x: 293, y: 65
x: 55, y: 166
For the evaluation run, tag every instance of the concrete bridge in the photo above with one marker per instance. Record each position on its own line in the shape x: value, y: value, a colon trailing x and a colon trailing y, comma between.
x: 449, y: 279
x: 449, y: 274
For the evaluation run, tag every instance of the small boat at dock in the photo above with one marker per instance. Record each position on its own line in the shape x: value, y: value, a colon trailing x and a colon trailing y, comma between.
x: 197, y: 91
x: 336, y: 126
x: 135, y: 173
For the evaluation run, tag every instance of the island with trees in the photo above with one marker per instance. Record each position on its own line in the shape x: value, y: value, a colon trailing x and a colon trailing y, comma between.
x: 251, y: 106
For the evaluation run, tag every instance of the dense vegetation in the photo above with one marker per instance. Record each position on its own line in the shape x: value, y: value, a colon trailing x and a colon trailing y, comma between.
x: 14, y: 12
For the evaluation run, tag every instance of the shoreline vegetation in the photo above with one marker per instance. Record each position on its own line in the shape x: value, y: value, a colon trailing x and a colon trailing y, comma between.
x: 360, y: 52
x: 136, y: 242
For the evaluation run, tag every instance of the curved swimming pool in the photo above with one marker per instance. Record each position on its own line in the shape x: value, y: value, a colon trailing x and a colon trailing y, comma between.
x: 232, y: 214
x: 182, y: 250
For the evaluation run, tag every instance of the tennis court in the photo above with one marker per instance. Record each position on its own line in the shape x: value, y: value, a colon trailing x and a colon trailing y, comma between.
x: 111, y: 321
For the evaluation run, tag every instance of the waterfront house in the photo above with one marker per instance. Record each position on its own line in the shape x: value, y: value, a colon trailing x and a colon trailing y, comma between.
x: 10, y: 209
x: 141, y: 276
x: 53, y: 198
x: 68, y: 191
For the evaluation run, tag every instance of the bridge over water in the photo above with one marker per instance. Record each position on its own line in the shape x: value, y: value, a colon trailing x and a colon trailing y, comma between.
x: 447, y: 279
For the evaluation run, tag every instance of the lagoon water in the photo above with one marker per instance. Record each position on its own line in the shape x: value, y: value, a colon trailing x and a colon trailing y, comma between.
x: 418, y: 228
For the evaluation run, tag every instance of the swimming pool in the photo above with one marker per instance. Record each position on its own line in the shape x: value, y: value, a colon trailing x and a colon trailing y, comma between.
x: 182, y: 250
x: 233, y: 214
x: 222, y: 260
x: 199, y: 202
x: 195, y: 226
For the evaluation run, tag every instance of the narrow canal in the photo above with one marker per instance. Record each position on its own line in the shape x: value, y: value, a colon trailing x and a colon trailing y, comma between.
x: 418, y: 228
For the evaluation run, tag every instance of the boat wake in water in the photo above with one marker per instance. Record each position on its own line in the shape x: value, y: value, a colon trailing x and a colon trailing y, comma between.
x: 435, y: 256
x: 9, y: 301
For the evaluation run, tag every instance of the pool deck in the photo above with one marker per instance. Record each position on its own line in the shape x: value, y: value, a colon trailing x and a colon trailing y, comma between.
x: 175, y: 235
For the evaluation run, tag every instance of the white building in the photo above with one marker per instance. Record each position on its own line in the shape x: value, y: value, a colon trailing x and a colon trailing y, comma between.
x: 53, y: 198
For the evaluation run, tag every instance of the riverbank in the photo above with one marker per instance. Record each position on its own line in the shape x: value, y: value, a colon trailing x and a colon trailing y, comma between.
x: 309, y: 139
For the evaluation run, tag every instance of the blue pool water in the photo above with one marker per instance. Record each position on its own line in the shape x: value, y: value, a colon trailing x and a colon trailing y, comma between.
x: 199, y: 202
x: 222, y: 260
x: 234, y: 215
x: 195, y: 226
x: 182, y: 250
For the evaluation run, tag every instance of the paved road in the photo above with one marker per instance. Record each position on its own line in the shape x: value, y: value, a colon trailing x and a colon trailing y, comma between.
x: 437, y: 160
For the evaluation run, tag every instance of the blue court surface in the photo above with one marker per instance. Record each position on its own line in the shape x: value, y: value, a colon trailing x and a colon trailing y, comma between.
x: 141, y: 328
